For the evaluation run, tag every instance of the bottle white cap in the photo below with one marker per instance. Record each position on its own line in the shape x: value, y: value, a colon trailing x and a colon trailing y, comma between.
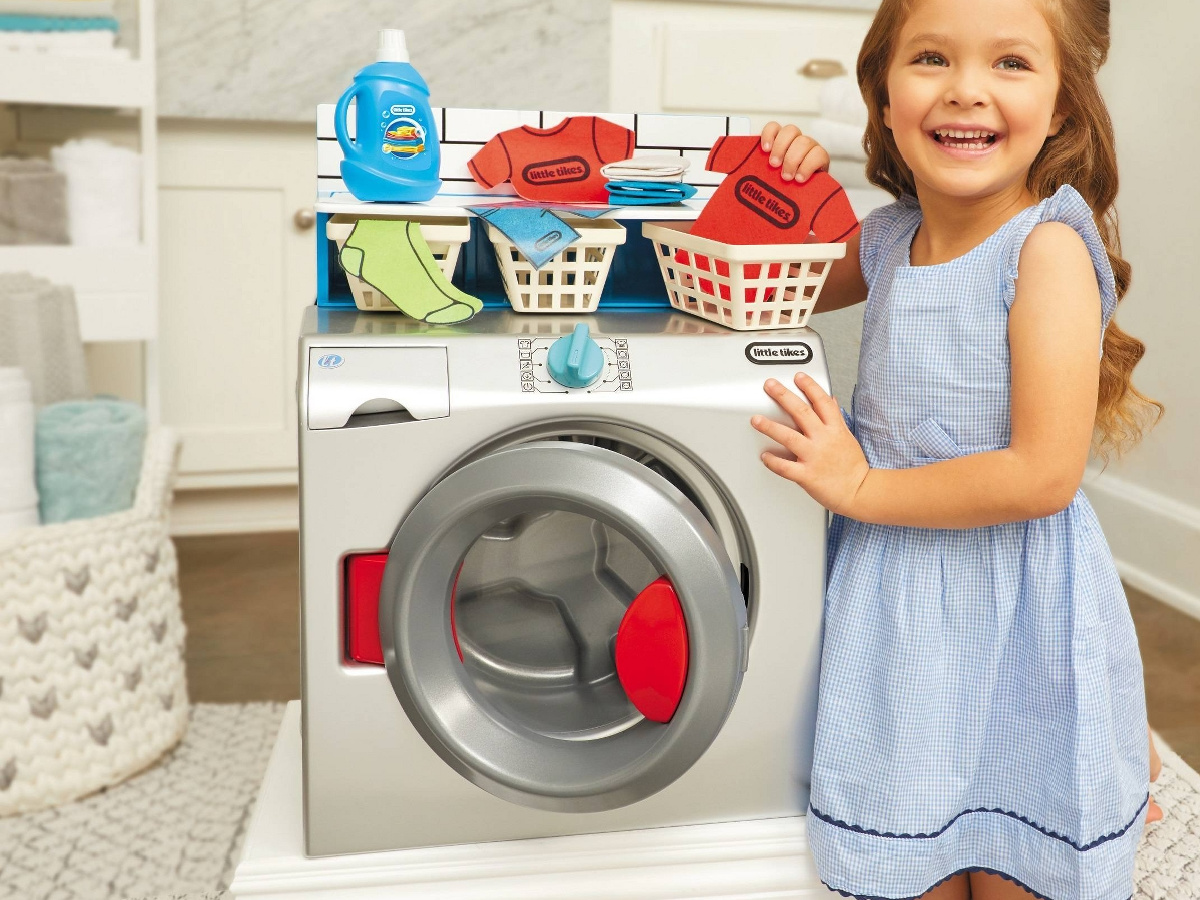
x: 392, y: 47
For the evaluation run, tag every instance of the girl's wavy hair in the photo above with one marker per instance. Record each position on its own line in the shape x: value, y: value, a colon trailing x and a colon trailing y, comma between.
x: 1082, y: 154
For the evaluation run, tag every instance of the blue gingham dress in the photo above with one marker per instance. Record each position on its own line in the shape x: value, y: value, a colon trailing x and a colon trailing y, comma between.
x: 981, y: 696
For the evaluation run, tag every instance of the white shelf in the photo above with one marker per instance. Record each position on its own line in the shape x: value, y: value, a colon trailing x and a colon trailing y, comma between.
x: 62, y: 80
x: 115, y: 287
x: 456, y: 205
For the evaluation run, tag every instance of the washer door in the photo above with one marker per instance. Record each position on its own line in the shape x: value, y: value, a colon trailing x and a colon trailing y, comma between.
x: 499, y: 611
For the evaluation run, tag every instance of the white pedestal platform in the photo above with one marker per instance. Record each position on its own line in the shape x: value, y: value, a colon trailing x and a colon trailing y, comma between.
x: 765, y: 859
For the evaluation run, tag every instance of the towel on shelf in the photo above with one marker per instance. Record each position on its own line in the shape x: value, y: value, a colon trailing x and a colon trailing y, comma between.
x: 39, y: 331
x: 18, y: 489
x: 652, y: 167
x: 842, y: 102
x: 57, y: 23
x: 104, y: 191
x: 33, y: 202
x: 73, y: 9
x: 645, y: 193
x: 89, y: 456
x: 838, y: 138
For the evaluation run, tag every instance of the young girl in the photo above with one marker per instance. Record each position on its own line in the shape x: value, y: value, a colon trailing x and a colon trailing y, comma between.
x: 982, y: 727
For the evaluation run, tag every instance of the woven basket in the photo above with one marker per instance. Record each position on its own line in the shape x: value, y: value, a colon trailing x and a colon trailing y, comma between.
x: 92, y: 681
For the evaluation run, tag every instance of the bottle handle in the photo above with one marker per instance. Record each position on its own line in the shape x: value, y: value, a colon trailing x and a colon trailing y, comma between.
x: 350, y: 148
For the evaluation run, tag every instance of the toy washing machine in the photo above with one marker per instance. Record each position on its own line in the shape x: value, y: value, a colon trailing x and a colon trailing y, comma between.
x: 548, y: 586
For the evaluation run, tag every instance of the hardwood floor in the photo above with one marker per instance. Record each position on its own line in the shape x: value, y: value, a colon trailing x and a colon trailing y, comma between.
x: 241, y: 606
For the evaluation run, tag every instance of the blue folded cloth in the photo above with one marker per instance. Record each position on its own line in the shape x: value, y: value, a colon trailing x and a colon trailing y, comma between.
x: 646, y: 193
x: 89, y: 458
x: 57, y: 23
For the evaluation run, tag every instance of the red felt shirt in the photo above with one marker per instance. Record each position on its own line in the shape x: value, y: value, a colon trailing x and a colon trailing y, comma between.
x: 754, y: 205
x: 555, y: 165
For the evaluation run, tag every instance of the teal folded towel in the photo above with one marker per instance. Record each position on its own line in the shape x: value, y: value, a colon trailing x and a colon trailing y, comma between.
x: 57, y: 23
x: 89, y: 457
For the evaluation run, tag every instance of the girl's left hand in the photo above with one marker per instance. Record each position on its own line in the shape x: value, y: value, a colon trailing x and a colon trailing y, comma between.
x: 829, y: 463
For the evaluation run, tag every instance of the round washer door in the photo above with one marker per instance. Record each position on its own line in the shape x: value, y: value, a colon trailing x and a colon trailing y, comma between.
x: 499, y: 609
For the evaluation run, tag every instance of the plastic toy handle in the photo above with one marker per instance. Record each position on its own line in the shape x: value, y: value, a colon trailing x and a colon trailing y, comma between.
x: 350, y: 149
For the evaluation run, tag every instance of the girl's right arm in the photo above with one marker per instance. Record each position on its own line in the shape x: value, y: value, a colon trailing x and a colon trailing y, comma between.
x: 800, y: 156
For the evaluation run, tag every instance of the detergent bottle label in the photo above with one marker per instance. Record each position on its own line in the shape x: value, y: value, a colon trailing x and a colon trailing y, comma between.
x: 404, y: 134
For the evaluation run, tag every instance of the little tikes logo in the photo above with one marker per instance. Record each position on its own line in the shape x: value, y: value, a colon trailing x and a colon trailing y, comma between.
x: 779, y: 354
x: 402, y: 109
x: 557, y: 171
x: 763, y: 200
x: 330, y: 361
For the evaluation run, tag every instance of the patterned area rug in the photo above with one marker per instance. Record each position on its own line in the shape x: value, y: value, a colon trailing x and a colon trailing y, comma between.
x: 177, y: 827
x: 175, y: 831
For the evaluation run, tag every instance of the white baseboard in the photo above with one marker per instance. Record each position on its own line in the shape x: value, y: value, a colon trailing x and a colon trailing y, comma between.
x: 240, y: 510
x: 766, y: 859
x: 1154, y: 538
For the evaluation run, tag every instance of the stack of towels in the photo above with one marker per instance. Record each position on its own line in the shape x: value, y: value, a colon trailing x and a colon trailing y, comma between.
x: 647, y: 180
x: 843, y: 119
x: 62, y: 456
x: 104, y: 191
x: 33, y: 202
x: 59, y: 27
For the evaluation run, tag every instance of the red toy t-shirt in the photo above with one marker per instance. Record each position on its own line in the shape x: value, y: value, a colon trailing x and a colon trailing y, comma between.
x: 754, y: 205
x: 555, y: 165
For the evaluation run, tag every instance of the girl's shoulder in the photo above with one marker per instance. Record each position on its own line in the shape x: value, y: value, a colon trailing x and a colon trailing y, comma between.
x: 882, y: 232
x: 1065, y: 205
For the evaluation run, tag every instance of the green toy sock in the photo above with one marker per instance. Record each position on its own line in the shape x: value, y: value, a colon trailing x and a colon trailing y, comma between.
x: 391, y: 256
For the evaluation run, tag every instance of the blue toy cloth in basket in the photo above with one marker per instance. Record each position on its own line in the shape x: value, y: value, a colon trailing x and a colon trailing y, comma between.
x: 89, y: 456
x: 981, y: 697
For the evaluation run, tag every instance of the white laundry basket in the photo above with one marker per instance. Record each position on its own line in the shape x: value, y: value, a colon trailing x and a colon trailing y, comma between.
x: 92, y: 681
x: 572, y: 281
x: 745, y: 287
x: 445, y: 236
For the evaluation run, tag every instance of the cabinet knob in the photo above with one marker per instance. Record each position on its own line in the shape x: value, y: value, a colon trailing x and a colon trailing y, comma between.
x: 305, y: 218
x: 822, y: 68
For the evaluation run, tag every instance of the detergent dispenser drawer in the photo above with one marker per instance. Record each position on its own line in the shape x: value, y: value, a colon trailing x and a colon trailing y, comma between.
x: 357, y: 386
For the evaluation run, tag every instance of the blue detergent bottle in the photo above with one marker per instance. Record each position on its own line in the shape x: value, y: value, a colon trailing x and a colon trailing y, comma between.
x: 394, y: 155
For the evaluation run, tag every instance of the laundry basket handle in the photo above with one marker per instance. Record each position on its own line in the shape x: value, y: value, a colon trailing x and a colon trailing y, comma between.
x: 159, y: 459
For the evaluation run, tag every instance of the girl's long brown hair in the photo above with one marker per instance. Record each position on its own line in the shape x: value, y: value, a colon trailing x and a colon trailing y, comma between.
x: 1082, y: 154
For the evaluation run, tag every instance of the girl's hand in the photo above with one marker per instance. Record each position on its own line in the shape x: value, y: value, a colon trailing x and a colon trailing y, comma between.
x: 799, y: 155
x: 829, y: 463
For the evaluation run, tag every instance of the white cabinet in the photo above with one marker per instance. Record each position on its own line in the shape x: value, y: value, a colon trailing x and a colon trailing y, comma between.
x: 236, y: 272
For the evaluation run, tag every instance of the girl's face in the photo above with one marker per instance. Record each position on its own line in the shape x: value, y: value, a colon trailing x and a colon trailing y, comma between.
x: 972, y: 66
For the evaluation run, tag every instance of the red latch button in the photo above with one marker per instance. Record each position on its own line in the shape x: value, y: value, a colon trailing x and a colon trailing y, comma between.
x: 364, y: 576
x: 652, y: 651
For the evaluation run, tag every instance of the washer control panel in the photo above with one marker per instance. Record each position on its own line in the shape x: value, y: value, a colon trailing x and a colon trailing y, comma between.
x: 533, y: 355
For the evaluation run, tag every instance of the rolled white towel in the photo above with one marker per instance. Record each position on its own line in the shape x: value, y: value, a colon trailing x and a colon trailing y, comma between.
x: 18, y: 489
x: 841, y: 101
x: 652, y: 167
x: 104, y: 191
x: 839, y: 139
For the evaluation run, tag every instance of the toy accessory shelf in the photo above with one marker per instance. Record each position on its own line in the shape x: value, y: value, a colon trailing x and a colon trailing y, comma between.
x: 744, y: 287
x: 572, y: 281
x: 445, y: 236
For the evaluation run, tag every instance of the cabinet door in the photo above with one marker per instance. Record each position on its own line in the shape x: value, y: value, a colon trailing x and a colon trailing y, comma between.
x: 729, y: 57
x: 236, y: 272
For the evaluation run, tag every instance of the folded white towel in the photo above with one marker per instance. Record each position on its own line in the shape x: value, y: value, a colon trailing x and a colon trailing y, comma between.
x: 69, y: 9
x: 841, y: 101
x: 18, y: 489
x: 104, y: 191
x: 64, y: 43
x: 653, y: 167
x: 839, y: 139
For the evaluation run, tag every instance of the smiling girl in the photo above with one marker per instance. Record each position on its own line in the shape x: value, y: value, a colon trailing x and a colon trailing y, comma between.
x: 981, y: 729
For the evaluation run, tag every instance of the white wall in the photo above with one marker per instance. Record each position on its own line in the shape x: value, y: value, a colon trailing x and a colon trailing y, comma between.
x: 1149, y: 502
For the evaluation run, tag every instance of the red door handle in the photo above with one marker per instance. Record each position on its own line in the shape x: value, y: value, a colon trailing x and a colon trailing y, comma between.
x: 652, y: 651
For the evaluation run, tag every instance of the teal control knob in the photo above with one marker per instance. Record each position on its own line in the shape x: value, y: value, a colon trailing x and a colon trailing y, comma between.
x: 575, y: 361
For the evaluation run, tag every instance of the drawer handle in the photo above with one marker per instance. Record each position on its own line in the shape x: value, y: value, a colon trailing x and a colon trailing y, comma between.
x: 821, y: 68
